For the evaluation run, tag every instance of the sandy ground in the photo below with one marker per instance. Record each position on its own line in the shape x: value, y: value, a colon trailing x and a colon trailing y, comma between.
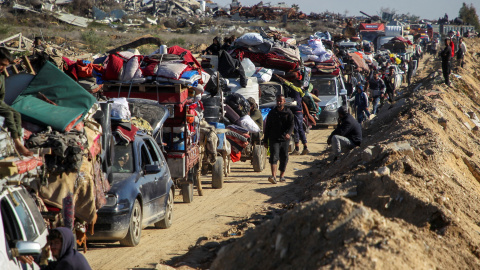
x: 243, y: 194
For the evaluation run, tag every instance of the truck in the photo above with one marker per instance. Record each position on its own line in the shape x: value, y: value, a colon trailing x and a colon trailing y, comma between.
x: 369, y: 31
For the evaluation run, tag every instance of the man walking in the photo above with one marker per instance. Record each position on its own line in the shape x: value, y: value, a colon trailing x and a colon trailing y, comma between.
x: 446, y: 55
x: 347, y: 135
x: 295, y: 91
x: 390, y: 83
x: 278, y: 129
x: 361, y: 104
x: 377, y: 90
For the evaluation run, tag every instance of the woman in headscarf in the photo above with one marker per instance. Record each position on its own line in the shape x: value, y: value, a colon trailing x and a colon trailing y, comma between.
x: 215, y: 47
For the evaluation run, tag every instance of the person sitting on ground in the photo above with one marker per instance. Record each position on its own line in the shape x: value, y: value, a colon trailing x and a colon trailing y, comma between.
x: 255, y: 113
x: 214, y: 48
x: 226, y: 43
x: 62, y: 245
x: 13, y: 119
x: 278, y: 129
x: 347, y: 135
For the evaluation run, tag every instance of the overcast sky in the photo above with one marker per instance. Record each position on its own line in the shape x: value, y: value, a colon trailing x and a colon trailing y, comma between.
x: 426, y: 9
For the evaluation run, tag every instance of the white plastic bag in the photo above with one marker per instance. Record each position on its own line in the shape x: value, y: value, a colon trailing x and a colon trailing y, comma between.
x: 250, y: 39
x: 120, y: 109
x: 263, y: 74
x: 247, y: 122
x: 248, y: 67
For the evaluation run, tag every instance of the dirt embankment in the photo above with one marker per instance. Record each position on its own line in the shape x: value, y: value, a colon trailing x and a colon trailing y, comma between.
x: 406, y: 199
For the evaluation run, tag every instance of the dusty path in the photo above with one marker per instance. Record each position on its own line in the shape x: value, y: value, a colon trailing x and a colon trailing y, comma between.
x: 244, y: 193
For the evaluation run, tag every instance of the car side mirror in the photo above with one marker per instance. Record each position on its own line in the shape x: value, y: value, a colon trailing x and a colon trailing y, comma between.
x: 26, y: 248
x: 152, y: 169
x: 343, y: 92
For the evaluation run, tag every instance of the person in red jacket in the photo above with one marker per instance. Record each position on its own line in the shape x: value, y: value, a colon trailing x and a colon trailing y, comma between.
x: 452, y: 45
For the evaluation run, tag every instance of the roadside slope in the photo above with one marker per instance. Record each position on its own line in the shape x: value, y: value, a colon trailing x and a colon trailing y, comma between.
x: 410, y: 192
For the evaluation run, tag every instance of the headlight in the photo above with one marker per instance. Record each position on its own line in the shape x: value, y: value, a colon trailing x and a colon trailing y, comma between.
x: 111, y: 200
x: 331, y: 107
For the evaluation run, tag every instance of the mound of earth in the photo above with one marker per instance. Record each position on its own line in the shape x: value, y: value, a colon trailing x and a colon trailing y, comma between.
x: 407, y: 198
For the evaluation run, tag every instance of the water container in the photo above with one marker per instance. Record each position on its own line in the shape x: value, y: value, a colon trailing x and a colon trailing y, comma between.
x: 163, y: 49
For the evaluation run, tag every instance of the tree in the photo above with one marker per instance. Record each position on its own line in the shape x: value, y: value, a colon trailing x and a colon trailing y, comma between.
x: 469, y: 15
x: 296, y: 7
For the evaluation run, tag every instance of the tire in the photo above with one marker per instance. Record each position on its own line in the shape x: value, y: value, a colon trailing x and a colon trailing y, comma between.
x: 134, y: 228
x: 187, y: 192
x: 217, y: 173
x: 166, y: 222
x: 258, y: 158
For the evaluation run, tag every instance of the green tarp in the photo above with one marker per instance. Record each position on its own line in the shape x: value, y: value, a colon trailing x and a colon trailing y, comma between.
x: 72, y: 100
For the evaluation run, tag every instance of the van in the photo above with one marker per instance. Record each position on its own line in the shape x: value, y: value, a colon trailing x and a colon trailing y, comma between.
x: 331, y: 91
x: 22, y: 228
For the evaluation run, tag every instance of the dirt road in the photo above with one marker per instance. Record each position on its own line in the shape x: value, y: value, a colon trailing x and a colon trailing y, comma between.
x: 244, y: 193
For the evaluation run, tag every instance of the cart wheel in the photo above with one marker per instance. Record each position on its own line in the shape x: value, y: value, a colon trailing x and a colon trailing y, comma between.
x: 258, y: 158
x: 187, y: 192
x: 217, y: 173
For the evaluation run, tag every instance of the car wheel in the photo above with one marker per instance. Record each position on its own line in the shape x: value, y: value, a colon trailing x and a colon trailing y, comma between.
x: 217, y: 173
x: 187, y: 192
x: 258, y: 158
x: 166, y: 222
x: 135, y: 228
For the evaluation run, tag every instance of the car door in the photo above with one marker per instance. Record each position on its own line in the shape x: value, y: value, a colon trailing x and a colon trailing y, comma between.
x: 148, y: 186
x: 162, y: 177
x: 18, y: 225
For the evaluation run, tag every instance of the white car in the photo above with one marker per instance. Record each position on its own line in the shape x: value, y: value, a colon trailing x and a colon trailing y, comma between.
x: 22, y: 231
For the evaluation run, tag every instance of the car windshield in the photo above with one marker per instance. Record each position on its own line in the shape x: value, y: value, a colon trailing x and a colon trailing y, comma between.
x: 123, y: 159
x: 322, y: 87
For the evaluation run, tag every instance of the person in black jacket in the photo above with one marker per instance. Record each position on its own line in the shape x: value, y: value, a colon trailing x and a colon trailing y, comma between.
x: 215, y: 47
x: 446, y: 56
x: 277, y: 132
x: 347, y: 135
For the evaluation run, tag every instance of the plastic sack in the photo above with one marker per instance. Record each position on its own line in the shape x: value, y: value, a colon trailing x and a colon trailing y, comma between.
x: 238, y: 103
x: 250, y: 39
x: 263, y: 74
x: 317, y: 46
x: 247, y: 122
x: 171, y: 70
x: 248, y: 67
x: 120, y: 109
